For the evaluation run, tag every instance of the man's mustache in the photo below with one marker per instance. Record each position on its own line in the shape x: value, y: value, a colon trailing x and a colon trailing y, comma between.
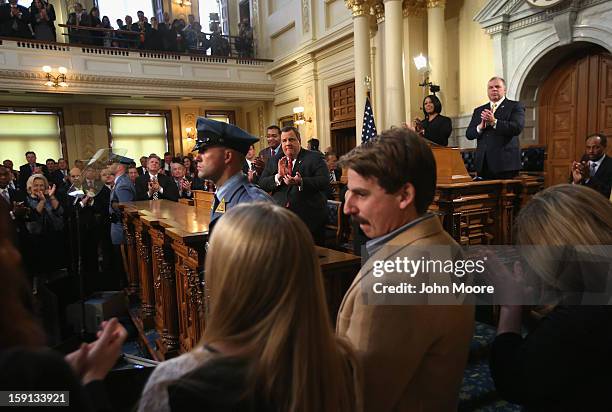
x: 359, y: 220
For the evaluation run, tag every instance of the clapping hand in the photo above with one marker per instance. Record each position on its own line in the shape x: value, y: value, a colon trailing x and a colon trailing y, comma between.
x: 259, y: 165
x: 293, y: 181
x: 488, y: 118
x: 51, y: 190
x: 283, y: 168
x: 153, y: 187
x: 93, y: 361
x: 580, y: 172
x: 185, y: 185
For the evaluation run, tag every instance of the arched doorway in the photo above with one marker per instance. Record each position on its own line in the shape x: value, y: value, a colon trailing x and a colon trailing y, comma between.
x: 575, y: 100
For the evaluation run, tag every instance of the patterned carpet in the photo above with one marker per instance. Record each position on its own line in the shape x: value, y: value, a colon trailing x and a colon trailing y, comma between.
x: 478, y: 390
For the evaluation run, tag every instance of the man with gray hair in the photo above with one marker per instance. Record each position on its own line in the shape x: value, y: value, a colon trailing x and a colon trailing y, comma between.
x: 496, y: 127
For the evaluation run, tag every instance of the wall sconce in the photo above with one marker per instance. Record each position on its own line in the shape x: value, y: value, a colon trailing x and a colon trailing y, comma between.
x: 298, y: 116
x: 56, y: 80
x: 183, y: 3
x: 421, y: 64
x: 190, y: 133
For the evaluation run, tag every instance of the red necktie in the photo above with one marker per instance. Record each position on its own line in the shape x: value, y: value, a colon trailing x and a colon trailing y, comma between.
x: 289, y: 173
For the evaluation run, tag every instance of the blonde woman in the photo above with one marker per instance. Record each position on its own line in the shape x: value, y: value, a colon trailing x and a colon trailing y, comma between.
x: 43, y: 222
x: 564, y: 363
x: 268, y: 343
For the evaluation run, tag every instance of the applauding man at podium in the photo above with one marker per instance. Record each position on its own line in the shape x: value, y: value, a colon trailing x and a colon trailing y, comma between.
x: 154, y: 185
x: 496, y: 126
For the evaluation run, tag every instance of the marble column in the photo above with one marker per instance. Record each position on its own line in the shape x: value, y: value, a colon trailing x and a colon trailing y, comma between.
x: 361, y: 44
x: 414, y: 44
x: 395, y: 113
x: 379, y: 64
x: 436, y: 37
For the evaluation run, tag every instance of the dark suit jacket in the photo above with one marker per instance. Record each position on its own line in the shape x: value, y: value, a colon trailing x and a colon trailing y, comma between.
x: 25, y: 172
x: 500, y: 145
x: 310, y: 203
x: 7, y: 21
x: 57, y: 178
x: 602, y: 181
x: 167, y: 183
x: 266, y: 153
x: 140, y: 170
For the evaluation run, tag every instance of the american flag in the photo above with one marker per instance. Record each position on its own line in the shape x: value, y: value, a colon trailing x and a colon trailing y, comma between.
x: 369, y: 127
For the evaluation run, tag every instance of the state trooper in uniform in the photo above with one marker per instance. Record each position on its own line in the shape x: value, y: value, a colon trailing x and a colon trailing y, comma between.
x: 222, y: 149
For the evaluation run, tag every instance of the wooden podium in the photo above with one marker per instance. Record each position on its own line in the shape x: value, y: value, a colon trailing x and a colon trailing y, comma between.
x: 449, y: 165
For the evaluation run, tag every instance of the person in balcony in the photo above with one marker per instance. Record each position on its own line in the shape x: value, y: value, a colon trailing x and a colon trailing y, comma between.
x: 14, y: 20
x: 78, y: 18
x: 219, y: 46
x: 154, y: 39
x: 165, y: 29
x: 108, y: 35
x: 42, y: 16
x: 96, y: 37
x: 179, y: 45
x: 244, y: 42
x: 196, y: 39
x: 143, y: 27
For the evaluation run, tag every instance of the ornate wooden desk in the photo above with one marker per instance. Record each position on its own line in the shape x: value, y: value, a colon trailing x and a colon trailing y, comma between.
x: 168, y: 246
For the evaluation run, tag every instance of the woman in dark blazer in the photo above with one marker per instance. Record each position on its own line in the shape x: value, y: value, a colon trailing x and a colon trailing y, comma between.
x: 434, y: 126
x: 564, y: 362
x: 43, y: 15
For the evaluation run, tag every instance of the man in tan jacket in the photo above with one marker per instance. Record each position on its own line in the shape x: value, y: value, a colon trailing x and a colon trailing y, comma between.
x: 413, y: 352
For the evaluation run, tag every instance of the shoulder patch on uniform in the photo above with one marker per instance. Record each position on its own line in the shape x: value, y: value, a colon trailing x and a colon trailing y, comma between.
x: 221, y: 207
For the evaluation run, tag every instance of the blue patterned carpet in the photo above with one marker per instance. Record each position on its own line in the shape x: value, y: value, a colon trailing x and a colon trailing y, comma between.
x: 478, y: 390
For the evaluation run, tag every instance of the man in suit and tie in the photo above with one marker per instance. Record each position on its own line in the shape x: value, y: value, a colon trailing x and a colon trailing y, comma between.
x: 154, y: 185
x: 142, y: 169
x: 7, y: 193
x: 496, y: 127
x: 273, y: 134
x: 166, y: 165
x: 595, y: 168
x: 28, y: 169
x: 60, y: 175
x: 252, y: 167
x: 413, y: 354
x: 299, y: 180
x: 182, y: 182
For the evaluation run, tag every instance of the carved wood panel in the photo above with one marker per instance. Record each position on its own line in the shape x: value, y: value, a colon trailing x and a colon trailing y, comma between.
x: 166, y: 320
x: 342, y: 101
x: 567, y: 114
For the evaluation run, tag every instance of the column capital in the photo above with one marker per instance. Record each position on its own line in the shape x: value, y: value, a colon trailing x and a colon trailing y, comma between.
x: 379, y: 11
x: 413, y: 8
x: 432, y: 4
x: 358, y: 7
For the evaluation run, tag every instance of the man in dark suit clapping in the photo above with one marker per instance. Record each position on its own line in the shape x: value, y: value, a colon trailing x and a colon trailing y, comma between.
x: 28, y: 169
x: 595, y: 168
x: 155, y: 185
x: 496, y: 127
x: 299, y: 180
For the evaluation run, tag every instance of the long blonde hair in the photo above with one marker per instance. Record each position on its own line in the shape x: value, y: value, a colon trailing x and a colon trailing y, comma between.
x: 265, y: 296
x: 563, y: 215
